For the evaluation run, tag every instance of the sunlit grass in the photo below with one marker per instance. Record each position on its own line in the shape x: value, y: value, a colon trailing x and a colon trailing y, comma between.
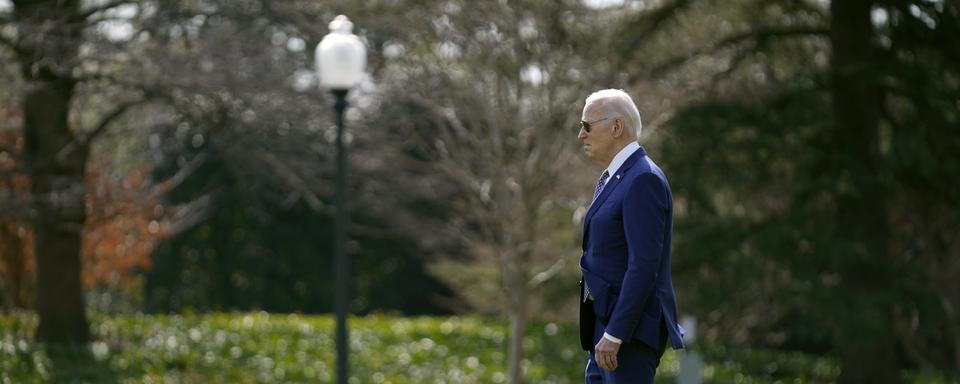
x: 265, y: 348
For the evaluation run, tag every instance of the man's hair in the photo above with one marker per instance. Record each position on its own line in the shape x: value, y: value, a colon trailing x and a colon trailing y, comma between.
x: 619, y: 102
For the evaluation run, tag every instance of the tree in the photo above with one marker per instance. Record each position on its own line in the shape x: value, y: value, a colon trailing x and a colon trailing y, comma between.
x: 125, y: 222
x: 487, y: 99
x: 45, y: 39
x: 792, y: 171
x: 864, y: 265
x: 241, y: 92
x: 16, y: 259
x: 49, y: 33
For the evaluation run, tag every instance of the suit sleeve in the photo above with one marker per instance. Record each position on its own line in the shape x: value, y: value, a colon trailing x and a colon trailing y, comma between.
x: 645, y: 209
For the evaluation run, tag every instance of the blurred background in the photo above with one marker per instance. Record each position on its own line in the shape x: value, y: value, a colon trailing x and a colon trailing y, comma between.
x: 167, y: 170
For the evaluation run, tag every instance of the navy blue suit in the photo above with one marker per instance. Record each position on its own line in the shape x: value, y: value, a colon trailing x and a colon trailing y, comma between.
x: 626, y: 268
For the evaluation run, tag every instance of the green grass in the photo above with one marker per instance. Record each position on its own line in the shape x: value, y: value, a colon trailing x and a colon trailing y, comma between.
x: 264, y: 348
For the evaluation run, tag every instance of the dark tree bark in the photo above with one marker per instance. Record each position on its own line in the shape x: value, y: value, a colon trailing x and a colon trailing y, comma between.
x: 47, y: 51
x: 13, y: 257
x: 865, y: 337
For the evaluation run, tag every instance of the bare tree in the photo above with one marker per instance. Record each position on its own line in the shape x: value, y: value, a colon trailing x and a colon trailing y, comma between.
x: 489, y: 98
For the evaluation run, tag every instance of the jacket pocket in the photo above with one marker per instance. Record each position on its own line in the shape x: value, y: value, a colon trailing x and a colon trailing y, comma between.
x: 648, y: 331
x: 605, y: 301
x: 604, y: 295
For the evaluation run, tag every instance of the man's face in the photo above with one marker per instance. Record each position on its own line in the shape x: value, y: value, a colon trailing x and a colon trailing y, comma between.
x: 599, y: 141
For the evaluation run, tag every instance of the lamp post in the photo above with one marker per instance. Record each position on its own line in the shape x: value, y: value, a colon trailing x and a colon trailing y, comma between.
x: 340, y: 59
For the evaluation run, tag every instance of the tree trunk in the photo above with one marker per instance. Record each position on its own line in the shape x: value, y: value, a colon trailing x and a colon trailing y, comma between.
x: 518, y: 327
x: 868, y: 356
x: 49, y: 36
x: 12, y: 255
x: 865, y: 337
x: 56, y: 177
x: 956, y: 355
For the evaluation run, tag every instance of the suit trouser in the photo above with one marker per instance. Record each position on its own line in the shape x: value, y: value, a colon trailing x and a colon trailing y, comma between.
x: 637, y: 362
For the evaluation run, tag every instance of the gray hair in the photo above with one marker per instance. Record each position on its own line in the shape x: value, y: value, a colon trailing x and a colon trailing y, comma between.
x: 619, y: 102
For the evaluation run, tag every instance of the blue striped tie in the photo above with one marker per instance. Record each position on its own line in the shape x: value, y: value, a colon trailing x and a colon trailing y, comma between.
x: 600, y: 184
x: 596, y: 194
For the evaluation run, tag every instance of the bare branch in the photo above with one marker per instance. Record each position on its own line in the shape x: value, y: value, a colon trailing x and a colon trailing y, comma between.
x: 548, y: 273
x: 83, y: 140
x: 651, y: 21
x: 734, y: 63
x: 296, y: 182
x: 189, y: 215
x: 151, y: 92
x: 96, y: 76
x: 297, y: 19
x: 178, y: 178
x: 10, y: 43
x: 97, y: 20
x: 758, y: 36
x: 103, y: 7
x: 109, y: 118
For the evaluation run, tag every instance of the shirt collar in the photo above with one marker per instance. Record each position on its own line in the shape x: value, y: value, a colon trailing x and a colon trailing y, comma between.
x: 621, y: 157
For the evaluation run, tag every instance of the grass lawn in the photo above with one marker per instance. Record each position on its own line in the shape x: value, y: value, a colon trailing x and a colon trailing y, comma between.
x: 267, y: 348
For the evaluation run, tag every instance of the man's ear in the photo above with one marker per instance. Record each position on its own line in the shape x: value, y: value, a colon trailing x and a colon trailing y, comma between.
x: 617, y: 127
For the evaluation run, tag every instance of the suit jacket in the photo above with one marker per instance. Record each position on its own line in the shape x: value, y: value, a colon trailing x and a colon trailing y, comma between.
x: 626, y: 258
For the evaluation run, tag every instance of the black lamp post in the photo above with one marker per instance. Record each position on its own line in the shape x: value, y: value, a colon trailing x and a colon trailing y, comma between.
x: 341, y: 58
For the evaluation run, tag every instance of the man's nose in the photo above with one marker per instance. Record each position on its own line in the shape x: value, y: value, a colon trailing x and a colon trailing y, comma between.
x: 582, y: 134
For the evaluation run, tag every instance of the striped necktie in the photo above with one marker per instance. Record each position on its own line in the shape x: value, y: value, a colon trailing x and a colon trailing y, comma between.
x: 596, y: 194
x: 600, y: 184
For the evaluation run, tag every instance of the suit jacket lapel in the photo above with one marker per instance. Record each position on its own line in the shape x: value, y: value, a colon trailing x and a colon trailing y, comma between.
x: 607, y: 189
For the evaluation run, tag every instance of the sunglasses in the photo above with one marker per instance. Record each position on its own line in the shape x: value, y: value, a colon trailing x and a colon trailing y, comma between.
x: 586, y: 126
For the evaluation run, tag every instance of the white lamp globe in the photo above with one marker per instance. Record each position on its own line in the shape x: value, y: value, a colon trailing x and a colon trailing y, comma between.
x: 340, y: 57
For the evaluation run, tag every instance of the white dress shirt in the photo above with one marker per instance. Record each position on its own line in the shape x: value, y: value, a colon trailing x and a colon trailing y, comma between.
x: 621, y: 157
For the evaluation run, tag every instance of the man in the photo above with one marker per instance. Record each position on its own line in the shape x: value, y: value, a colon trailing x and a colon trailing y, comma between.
x: 628, y: 309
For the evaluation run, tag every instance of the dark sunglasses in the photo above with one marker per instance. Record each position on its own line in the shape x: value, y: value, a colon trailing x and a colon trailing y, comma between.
x: 586, y: 126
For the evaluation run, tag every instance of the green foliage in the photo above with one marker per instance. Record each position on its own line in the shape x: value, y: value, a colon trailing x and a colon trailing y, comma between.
x: 261, y: 348
x: 805, y: 220
x: 254, y: 253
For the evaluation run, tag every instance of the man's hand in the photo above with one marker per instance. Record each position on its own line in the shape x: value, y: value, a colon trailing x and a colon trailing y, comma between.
x: 605, y: 353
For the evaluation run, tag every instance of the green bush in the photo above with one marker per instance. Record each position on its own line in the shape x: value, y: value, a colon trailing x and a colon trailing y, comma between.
x: 265, y: 348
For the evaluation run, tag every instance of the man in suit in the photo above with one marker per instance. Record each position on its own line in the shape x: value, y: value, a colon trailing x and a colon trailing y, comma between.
x: 628, y: 309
